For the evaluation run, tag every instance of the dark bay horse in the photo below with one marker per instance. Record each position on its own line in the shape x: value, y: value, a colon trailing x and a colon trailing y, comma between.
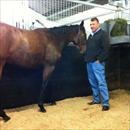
x: 42, y: 46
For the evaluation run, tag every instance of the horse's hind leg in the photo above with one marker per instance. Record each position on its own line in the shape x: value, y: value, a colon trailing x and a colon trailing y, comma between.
x: 4, y: 115
x: 1, y: 68
x: 52, y: 101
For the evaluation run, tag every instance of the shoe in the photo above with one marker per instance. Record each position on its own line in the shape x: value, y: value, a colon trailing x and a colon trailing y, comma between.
x: 105, y: 108
x: 93, y: 103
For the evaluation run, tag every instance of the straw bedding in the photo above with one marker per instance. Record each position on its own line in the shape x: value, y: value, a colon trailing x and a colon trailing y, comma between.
x: 73, y: 114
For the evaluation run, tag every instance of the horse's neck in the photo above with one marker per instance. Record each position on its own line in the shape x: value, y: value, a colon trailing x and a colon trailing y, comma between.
x: 62, y: 44
x: 64, y: 40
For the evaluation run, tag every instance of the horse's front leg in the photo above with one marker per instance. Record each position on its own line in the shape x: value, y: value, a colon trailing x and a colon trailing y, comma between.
x: 48, y: 69
x: 42, y: 95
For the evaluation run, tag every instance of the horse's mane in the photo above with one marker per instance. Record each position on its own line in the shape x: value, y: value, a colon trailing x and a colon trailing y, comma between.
x: 62, y: 30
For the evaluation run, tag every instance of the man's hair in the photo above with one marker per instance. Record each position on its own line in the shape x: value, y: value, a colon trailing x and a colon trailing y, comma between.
x: 95, y: 19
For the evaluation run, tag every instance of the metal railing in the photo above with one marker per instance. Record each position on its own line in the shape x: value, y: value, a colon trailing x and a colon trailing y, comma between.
x: 58, y: 9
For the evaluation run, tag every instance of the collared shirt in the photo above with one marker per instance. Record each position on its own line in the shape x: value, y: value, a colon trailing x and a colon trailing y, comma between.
x: 92, y: 33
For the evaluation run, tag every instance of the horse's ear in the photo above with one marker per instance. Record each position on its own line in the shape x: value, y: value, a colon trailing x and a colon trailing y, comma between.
x: 82, y: 23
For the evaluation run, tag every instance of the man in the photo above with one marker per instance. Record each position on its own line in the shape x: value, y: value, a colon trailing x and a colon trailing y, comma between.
x: 95, y: 56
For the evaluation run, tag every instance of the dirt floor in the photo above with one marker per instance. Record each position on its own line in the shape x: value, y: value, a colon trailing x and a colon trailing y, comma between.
x: 73, y: 114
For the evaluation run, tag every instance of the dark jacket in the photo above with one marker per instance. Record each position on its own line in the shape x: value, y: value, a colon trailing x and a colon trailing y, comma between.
x: 97, y: 47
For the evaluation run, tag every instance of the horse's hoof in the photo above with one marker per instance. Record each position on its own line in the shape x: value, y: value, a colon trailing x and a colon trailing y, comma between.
x: 52, y: 103
x: 42, y: 109
x: 6, y: 118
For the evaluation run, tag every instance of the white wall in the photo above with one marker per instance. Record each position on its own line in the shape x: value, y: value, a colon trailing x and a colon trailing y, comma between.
x: 17, y: 13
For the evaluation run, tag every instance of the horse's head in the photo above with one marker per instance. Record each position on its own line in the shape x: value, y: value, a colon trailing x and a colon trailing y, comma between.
x: 73, y: 33
x: 80, y: 37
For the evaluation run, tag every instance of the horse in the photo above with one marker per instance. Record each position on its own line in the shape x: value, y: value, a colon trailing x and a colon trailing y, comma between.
x: 41, y: 46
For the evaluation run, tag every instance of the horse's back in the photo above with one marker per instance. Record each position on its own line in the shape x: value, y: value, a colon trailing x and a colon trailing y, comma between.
x: 27, y: 47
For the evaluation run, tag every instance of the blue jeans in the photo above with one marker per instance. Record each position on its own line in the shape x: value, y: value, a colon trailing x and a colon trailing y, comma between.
x: 96, y: 77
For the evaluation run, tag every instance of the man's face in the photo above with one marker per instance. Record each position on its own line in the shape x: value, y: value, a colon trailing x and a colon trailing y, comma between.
x: 94, y: 25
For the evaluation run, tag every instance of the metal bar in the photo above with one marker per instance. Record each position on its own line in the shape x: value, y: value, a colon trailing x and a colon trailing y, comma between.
x: 77, y: 21
x: 65, y: 10
x: 91, y: 4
